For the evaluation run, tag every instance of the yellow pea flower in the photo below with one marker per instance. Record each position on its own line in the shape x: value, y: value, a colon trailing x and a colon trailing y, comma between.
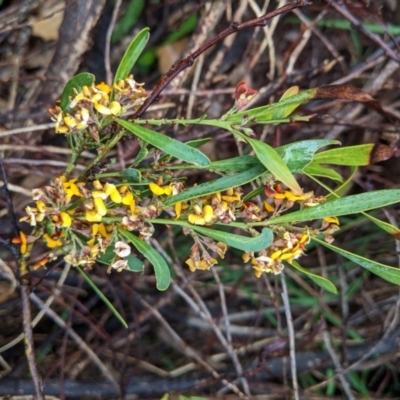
x: 66, y: 219
x: 50, y: 242
x: 99, y: 206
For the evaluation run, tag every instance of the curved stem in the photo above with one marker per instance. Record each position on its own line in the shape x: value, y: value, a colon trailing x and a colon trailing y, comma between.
x: 113, y: 141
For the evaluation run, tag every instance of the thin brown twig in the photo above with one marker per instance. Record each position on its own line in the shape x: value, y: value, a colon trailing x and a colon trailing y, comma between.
x: 189, y: 60
x: 28, y: 338
x: 339, y: 370
x: 110, y: 29
x: 342, y: 9
x: 77, y: 339
x: 289, y: 321
x: 189, y: 351
x: 25, y: 292
x: 203, y: 311
x: 235, y: 359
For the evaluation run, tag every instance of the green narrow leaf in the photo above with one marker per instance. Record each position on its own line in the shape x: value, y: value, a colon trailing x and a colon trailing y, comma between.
x: 315, y: 169
x: 102, y: 297
x: 186, y: 27
x: 343, y: 206
x: 319, y: 280
x: 164, y: 143
x: 143, y: 152
x: 350, y: 156
x: 386, y: 272
x: 76, y: 83
x: 257, y: 243
x: 392, y: 230
x: 236, y: 164
x: 192, y: 143
x: 292, y: 91
x: 198, y: 142
x: 128, y: 20
x: 218, y: 185
x: 131, y: 55
x: 280, y: 109
x: 298, y: 155
x: 161, y: 269
x: 344, y: 24
x: 295, y: 155
x: 253, y: 194
x: 277, y: 110
x: 274, y: 163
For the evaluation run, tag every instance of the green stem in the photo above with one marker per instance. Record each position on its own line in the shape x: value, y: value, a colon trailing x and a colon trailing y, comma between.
x: 113, y: 141
x: 72, y: 161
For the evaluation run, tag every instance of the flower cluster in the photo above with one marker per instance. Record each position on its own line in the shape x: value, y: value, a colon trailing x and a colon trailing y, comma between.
x: 218, y: 207
x: 200, y: 258
x: 83, y: 220
x: 227, y: 207
x: 287, y: 247
x: 93, y: 104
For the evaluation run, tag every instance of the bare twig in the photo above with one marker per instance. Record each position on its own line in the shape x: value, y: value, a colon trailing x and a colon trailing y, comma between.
x: 342, y: 9
x: 28, y: 332
x: 41, y: 313
x: 110, y: 29
x: 203, y: 311
x: 339, y: 369
x: 188, y: 61
x: 9, y: 203
x: 25, y: 129
x: 77, y: 339
x: 190, y: 352
x: 25, y: 291
x: 289, y: 321
x: 195, y: 82
x: 235, y: 359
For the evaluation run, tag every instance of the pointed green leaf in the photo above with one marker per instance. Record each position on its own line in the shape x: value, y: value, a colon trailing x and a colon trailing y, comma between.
x: 198, y: 142
x: 253, y: 193
x: 281, y: 109
x: 277, y: 110
x: 298, y: 155
x: 236, y: 164
x: 386, y: 272
x: 344, y: 206
x: 143, y: 153
x: 315, y: 169
x: 352, y: 155
x: 319, y: 280
x: 392, y: 230
x: 75, y: 84
x: 292, y: 91
x: 128, y: 20
x: 218, y: 185
x: 168, y: 145
x: 274, y: 163
x: 131, y: 55
x: 161, y: 269
x: 192, y: 143
x: 244, y: 243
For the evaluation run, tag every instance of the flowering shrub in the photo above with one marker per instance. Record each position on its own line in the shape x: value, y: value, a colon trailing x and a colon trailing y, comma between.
x: 109, y: 217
